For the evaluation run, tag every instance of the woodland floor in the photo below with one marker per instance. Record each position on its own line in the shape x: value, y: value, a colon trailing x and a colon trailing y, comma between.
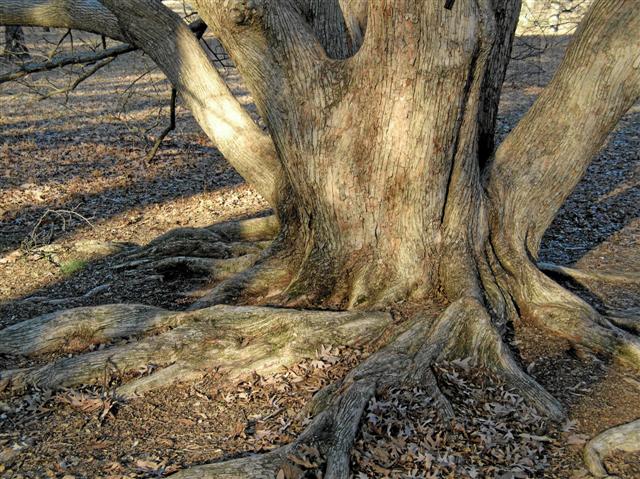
x: 73, y: 172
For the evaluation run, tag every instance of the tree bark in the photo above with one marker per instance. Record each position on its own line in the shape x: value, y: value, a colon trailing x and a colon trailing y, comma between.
x: 382, y: 172
x: 87, y: 15
x: 382, y: 164
x: 543, y: 158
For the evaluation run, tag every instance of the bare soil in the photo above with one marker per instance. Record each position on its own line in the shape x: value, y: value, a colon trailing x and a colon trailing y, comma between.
x: 72, y: 171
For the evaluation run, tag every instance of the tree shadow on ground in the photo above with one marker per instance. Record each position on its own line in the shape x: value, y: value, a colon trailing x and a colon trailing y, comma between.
x: 170, y: 289
x: 89, y: 206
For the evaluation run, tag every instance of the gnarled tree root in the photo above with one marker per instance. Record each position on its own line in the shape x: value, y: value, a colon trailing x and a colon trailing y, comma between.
x: 264, y: 228
x: 564, y: 314
x: 267, y: 278
x: 194, y: 242
x: 77, y: 329
x: 238, y: 340
x: 463, y: 331
x: 214, y: 269
x: 219, y: 251
x: 628, y: 319
x: 625, y: 438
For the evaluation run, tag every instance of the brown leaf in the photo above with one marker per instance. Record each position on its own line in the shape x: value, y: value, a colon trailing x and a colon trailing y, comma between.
x: 577, y: 439
x: 289, y: 471
x: 301, y: 461
x: 148, y: 465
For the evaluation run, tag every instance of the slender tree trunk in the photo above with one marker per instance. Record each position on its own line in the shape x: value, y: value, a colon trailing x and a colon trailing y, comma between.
x: 14, y: 42
x: 542, y: 160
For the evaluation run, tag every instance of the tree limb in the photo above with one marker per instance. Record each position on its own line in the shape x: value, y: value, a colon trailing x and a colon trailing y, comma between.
x: 87, y: 15
x: 64, y: 60
x: 163, y: 35
x: 169, y: 128
x: 336, y: 28
x: 544, y: 157
x: 274, y: 48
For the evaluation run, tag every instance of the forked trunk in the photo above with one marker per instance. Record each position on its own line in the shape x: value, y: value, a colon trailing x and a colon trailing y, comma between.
x: 382, y: 173
x: 382, y: 200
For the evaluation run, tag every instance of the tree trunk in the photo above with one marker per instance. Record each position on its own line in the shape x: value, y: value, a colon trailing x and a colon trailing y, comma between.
x: 14, y: 43
x: 382, y: 164
x: 387, y: 191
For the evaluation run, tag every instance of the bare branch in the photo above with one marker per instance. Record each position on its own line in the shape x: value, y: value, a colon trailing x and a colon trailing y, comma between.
x: 170, y: 127
x: 274, y: 48
x: 64, y: 60
x: 84, y: 76
x: 87, y: 15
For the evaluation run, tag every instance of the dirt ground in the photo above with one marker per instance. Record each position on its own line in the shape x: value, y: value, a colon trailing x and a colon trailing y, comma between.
x: 76, y: 190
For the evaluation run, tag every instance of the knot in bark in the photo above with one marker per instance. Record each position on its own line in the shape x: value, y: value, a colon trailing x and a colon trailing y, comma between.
x: 244, y: 12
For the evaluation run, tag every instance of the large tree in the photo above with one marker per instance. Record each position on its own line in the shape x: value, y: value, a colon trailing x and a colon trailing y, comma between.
x: 388, y: 194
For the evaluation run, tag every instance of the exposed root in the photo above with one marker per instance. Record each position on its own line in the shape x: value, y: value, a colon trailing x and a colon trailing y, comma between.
x: 215, y: 269
x: 628, y: 319
x: 76, y: 329
x: 590, y: 331
x: 260, y: 229
x: 624, y: 438
x: 564, y: 314
x: 265, y: 228
x: 267, y: 278
x: 238, y: 340
x: 219, y: 252
x: 581, y: 275
x: 71, y: 299
x: 205, y: 244
x: 464, y: 330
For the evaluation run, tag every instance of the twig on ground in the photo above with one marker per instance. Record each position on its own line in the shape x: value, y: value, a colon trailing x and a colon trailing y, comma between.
x: 32, y: 241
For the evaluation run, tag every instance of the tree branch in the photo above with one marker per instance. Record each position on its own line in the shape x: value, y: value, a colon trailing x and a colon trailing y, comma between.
x: 87, y: 15
x: 283, y: 64
x: 336, y: 28
x: 84, y: 76
x: 169, y: 128
x: 506, y: 14
x: 355, y: 14
x: 544, y: 157
x: 274, y: 48
x: 64, y: 60
x: 168, y: 41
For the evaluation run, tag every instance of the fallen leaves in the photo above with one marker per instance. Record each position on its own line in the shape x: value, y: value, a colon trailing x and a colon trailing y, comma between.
x: 495, y: 433
x: 89, y: 403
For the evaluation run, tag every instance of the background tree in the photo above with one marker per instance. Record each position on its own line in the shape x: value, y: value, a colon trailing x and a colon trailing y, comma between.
x: 14, y: 44
x: 388, y: 194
